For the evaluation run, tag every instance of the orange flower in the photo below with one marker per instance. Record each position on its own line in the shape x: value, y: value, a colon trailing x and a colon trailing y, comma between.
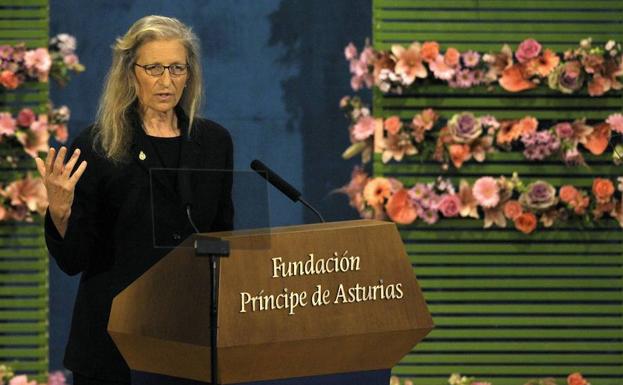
x: 568, y: 193
x: 9, y: 80
x: 580, y: 204
x: 459, y: 153
x: 576, y: 379
x: 512, y: 209
x: 543, y: 64
x: 526, y: 223
x: 598, y: 140
x: 376, y: 191
x: 393, y: 124
x: 452, y: 57
x: 513, y: 79
x: 513, y: 130
x: 603, y: 189
x: 430, y: 50
x: 400, y: 209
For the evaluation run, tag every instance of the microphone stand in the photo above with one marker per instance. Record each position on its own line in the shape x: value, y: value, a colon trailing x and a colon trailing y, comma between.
x: 214, y: 248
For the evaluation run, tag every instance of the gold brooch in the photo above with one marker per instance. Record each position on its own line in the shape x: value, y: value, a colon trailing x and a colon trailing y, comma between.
x: 142, y: 156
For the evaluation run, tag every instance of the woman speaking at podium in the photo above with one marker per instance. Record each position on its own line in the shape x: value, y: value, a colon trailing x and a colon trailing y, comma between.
x: 99, y: 220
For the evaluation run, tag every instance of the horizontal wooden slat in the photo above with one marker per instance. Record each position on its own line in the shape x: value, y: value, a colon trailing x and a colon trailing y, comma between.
x: 537, y: 346
x: 561, y: 5
x: 538, y: 359
x: 525, y: 321
x: 539, y: 371
x: 23, y: 315
x: 506, y: 247
x: 483, y: 308
x: 517, y: 14
x: 24, y: 13
x: 506, y: 282
x: 23, y: 327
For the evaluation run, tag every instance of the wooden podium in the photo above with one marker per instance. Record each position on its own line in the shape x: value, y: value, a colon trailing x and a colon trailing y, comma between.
x: 293, y: 302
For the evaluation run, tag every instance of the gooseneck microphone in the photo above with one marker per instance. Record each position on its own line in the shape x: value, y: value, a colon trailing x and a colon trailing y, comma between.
x: 282, y: 185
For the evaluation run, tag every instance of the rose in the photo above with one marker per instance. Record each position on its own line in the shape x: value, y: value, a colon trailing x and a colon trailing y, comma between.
x: 528, y: 49
x: 526, y: 223
x: 25, y: 117
x: 512, y: 209
x: 576, y: 379
x: 603, y: 189
x: 430, y: 50
x: 452, y: 57
x: 450, y: 205
x: 564, y: 130
x: 568, y: 193
x: 9, y: 80
x: 393, y: 124
x: 539, y: 195
x: 465, y: 127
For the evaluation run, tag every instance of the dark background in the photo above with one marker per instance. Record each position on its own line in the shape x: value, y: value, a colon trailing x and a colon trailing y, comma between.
x: 274, y: 74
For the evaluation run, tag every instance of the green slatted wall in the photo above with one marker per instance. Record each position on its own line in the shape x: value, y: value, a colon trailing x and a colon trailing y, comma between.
x: 510, y: 307
x: 23, y: 256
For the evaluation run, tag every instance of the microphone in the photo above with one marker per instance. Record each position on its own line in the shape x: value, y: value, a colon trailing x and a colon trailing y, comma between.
x: 280, y: 184
x: 183, y: 181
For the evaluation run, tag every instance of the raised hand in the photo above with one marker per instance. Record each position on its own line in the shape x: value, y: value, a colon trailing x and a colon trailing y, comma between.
x: 60, y: 181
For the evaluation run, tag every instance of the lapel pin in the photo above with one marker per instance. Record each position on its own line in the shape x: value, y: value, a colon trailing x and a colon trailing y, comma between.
x: 142, y: 156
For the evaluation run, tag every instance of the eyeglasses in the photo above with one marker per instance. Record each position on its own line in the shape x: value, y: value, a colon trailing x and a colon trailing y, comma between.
x: 158, y: 69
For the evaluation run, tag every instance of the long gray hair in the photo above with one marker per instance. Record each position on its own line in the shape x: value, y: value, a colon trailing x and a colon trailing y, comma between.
x: 114, y: 130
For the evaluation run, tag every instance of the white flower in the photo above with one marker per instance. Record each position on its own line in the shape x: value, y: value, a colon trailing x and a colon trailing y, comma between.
x: 610, y: 44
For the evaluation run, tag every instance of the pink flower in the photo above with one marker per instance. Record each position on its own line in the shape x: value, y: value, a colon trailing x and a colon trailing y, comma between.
x: 564, y: 130
x: 409, y: 63
x: 450, y: 205
x: 39, y: 59
x: 487, y: 192
x: 7, y: 124
x: 61, y: 133
x: 350, y: 52
x: 528, y: 49
x: 41, y: 124
x: 364, y: 128
x: 34, y: 141
x: 28, y: 192
x: 393, y: 124
x: 440, y: 69
x: 616, y: 122
x: 21, y: 380
x: 470, y: 58
x: 71, y: 60
x: 25, y: 117
x: 367, y: 55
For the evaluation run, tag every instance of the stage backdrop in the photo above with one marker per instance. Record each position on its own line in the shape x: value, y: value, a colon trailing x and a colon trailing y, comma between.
x: 274, y: 75
x: 23, y: 257
x: 507, y: 306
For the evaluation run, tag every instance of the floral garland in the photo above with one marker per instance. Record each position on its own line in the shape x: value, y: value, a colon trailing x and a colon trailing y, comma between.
x: 497, y: 200
x: 465, y: 136
x: 18, y: 65
x: 457, y: 379
x: 8, y: 377
x: 595, y: 67
x: 27, y: 134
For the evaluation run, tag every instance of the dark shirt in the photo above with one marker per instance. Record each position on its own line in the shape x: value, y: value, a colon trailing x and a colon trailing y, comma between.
x: 110, y: 234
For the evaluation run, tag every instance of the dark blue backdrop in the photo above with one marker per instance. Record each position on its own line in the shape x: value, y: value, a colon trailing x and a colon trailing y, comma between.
x: 274, y: 73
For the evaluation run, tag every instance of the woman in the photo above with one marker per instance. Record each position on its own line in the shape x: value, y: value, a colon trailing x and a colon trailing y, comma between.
x: 99, y: 220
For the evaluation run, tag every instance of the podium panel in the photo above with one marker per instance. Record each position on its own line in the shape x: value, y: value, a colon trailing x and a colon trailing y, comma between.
x: 326, y: 298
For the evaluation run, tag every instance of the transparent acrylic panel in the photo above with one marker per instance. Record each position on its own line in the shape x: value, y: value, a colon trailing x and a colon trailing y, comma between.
x: 187, y: 201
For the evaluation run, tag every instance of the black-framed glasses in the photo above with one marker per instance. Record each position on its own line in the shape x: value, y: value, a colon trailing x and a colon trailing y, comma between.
x: 158, y: 69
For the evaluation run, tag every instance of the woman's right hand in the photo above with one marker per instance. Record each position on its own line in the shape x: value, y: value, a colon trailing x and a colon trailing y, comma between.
x: 60, y: 183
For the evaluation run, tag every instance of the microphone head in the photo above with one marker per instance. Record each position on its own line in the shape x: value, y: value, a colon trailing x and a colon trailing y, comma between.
x: 275, y: 180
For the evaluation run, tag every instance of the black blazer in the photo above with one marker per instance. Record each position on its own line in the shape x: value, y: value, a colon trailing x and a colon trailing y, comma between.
x: 110, y: 235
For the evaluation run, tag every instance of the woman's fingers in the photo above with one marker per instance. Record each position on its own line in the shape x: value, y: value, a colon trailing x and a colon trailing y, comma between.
x: 40, y: 166
x: 78, y: 173
x: 49, y: 159
x: 58, y: 162
x: 69, y: 166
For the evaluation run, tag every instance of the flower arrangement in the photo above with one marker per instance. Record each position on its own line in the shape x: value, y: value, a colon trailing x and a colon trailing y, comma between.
x: 457, y: 379
x: 496, y: 200
x: 7, y: 377
x: 597, y: 68
x: 27, y: 134
x: 18, y: 64
x: 466, y: 136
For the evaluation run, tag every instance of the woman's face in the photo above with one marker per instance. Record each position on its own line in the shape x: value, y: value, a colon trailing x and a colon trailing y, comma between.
x: 160, y: 93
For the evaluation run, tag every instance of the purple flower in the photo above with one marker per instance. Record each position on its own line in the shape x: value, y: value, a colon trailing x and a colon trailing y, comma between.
x: 539, y: 196
x: 465, y: 127
x: 464, y: 79
x: 430, y: 216
x: 540, y: 144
